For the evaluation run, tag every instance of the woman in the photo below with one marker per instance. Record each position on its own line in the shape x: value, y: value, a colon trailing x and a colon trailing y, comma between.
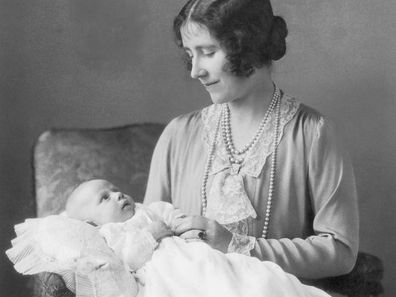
x: 261, y: 173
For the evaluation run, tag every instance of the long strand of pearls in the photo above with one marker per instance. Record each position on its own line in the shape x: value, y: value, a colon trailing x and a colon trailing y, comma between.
x: 204, y: 199
x: 272, y: 173
x: 226, y: 129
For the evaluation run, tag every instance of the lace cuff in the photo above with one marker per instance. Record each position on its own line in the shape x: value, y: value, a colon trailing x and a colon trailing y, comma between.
x: 241, y: 244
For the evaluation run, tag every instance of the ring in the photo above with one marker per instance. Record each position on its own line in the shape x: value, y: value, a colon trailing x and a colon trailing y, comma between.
x: 202, y: 235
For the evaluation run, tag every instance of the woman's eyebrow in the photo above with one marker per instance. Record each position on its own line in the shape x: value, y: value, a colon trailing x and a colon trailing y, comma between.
x: 200, y: 47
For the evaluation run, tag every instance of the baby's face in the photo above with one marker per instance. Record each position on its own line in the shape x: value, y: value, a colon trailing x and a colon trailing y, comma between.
x: 101, y: 202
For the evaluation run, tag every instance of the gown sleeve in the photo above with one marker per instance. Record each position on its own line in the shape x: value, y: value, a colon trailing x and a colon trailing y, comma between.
x: 332, y: 250
x: 166, y: 212
x: 133, y: 245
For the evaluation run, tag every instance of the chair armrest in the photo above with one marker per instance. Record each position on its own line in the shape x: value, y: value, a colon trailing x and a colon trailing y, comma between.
x: 363, y: 281
x: 48, y: 284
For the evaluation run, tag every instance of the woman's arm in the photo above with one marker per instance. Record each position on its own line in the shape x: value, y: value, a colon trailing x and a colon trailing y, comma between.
x: 158, y: 184
x: 332, y: 250
x: 214, y: 234
x: 315, y: 257
x: 333, y: 247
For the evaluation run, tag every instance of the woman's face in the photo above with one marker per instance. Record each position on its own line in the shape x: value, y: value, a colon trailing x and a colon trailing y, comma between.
x: 209, y: 65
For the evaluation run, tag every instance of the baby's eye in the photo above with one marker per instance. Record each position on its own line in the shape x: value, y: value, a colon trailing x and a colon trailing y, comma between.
x: 92, y: 223
x: 105, y: 197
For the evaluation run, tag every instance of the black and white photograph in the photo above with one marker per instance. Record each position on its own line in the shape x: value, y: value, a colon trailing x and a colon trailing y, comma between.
x: 197, y: 148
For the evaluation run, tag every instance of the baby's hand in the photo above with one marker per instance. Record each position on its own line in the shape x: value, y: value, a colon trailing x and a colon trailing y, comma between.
x: 159, y: 230
x: 192, y: 235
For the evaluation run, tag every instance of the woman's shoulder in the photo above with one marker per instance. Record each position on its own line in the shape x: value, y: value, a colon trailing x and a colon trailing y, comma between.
x: 188, y: 123
x: 304, y: 114
x: 312, y: 122
x: 187, y: 119
x: 308, y: 115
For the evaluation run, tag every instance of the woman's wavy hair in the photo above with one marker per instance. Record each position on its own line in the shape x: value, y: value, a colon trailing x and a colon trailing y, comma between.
x: 246, y: 29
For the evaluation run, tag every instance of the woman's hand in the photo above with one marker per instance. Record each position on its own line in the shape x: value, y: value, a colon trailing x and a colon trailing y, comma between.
x: 159, y: 230
x: 210, y: 231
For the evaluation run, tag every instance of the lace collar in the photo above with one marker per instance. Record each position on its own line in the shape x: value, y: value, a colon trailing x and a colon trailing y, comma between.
x: 256, y: 158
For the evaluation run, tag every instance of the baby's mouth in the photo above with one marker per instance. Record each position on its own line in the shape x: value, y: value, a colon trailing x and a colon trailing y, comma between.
x: 125, y: 204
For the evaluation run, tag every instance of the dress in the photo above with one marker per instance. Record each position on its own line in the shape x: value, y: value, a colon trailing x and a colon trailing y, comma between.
x: 130, y: 240
x: 314, y: 224
x: 89, y: 260
x: 175, y: 268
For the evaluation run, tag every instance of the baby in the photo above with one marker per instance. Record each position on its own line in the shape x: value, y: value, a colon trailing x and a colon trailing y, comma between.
x: 139, y: 239
x: 130, y: 229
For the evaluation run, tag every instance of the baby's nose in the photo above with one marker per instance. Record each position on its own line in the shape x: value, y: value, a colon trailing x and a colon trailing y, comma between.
x: 121, y: 196
x: 118, y: 196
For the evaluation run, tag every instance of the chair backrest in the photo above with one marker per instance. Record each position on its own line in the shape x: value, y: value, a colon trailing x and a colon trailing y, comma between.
x: 63, y: 158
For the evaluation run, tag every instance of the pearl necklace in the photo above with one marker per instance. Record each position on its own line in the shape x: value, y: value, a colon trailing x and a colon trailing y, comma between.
x: 226, y: 127
x: 236, y: 157
x: 204, y: 200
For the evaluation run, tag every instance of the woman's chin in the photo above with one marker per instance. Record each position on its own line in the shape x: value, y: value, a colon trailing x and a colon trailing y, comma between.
x: 216, y: 99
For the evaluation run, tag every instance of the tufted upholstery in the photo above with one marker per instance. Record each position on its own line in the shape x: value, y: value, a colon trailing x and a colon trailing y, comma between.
x: 65, y: 157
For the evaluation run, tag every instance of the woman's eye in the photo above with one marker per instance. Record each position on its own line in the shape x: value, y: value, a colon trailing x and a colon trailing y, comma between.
x: 208, y: 54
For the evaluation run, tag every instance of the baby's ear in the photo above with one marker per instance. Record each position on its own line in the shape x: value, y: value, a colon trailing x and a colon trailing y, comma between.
x: 91, y: 223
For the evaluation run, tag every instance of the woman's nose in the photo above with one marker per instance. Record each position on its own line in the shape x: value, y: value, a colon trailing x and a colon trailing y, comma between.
x: 197, y: 71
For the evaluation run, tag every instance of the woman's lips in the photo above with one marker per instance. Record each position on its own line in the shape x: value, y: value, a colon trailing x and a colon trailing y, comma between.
x: 208, y: 84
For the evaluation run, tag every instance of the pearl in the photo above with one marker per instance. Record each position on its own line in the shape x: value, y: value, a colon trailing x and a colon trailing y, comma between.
x: 226, y: 127
x: 224, y: 122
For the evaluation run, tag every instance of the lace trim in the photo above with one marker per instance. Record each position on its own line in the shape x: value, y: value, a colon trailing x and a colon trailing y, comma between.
x: 241, y: 244
x: 227, y: 199
x: 257, y: 156
x: 73, y: 249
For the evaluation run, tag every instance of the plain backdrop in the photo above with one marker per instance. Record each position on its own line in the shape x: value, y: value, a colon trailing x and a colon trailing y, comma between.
x: 101, y: 63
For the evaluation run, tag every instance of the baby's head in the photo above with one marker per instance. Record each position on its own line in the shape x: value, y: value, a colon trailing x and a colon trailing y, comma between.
x: 100, y: 202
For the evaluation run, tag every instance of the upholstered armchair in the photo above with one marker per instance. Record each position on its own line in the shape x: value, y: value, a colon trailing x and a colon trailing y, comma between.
x: 65, y: 157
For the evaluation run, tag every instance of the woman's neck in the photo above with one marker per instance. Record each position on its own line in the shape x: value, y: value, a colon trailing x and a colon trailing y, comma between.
x: 254, y: 104
x: 247, y: 113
